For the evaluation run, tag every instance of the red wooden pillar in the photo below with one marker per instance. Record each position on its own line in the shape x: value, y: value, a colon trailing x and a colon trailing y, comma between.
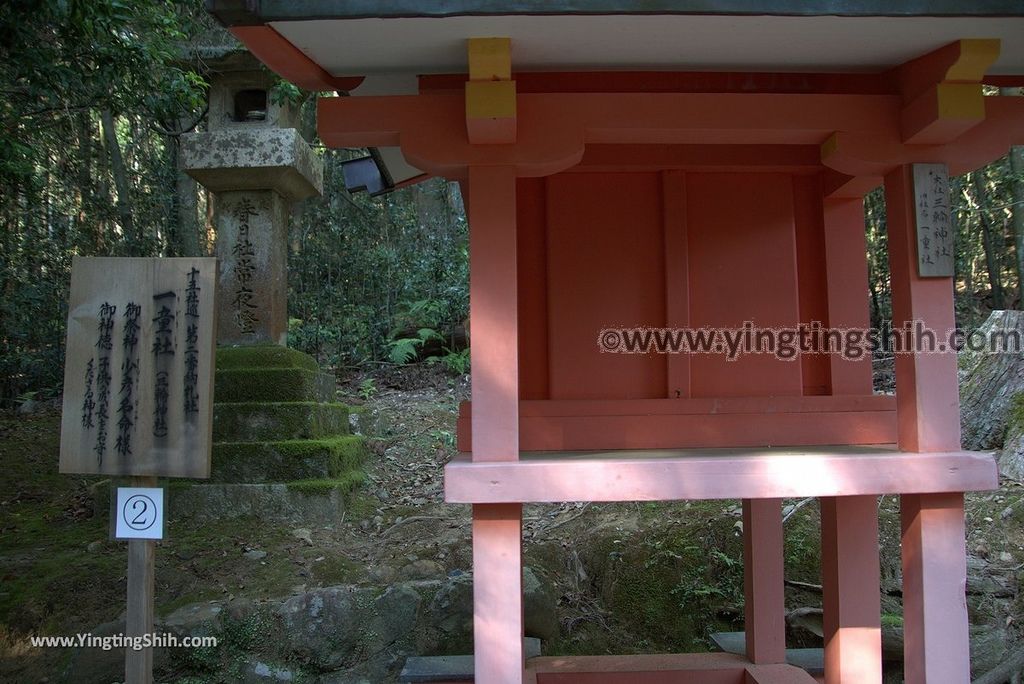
x: 763, y: 581
x: 850, y: 580
x: 497, y: 528
x: 846, y: 270
x: 936, y: 647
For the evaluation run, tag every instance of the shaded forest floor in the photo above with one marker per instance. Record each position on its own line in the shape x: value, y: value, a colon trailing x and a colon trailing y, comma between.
x: 627, y: 578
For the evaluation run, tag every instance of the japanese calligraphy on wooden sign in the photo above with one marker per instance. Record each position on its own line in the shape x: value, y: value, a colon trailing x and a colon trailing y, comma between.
x: 935, y: 244
x: 138, y: 374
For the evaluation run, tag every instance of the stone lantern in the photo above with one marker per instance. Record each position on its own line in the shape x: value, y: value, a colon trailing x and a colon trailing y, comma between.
x: 257, y: 165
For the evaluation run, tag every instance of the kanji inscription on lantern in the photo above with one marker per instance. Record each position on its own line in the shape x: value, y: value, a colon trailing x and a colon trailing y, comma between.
x: 138, y: 376
x: 935, y: 244
x: 246, y: 317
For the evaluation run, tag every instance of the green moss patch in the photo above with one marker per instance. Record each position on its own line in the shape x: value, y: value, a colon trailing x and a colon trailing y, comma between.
x: 266, y: 421
x: 234, y: 385
x: 264, y: 356
x: 285, y: 461
x: 346, y: 484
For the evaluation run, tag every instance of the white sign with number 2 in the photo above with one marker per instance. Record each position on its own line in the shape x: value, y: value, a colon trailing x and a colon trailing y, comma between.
x: 140, y: 513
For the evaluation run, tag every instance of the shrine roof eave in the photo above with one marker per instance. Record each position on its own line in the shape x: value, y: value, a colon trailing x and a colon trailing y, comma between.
x: 340, y: 41
x: 255, y: 12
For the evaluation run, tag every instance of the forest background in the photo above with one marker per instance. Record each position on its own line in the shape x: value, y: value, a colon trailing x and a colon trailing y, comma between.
x: 94, y: 97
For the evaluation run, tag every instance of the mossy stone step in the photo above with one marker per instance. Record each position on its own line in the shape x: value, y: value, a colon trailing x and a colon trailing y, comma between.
x: 309, y: 502
x: 269, y: 373
x: 262, y: 421
x: 234, y: 385
x: 287, y: 460
x: 264, y: 356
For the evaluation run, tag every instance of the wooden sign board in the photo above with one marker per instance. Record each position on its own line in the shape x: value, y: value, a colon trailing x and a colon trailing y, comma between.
x: 934, y: 218
x: 138, y: 373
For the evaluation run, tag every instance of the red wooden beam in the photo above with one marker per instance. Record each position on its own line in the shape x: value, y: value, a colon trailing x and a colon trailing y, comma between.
x: 289, y: 62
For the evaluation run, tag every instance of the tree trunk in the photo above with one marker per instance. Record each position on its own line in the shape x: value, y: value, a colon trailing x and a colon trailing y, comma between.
x: 989, y: 382
x: 1017, y: 201
x: 117, y: 170
x: 988, y: 241
x: 186, y: 205
x: 1017, y: 212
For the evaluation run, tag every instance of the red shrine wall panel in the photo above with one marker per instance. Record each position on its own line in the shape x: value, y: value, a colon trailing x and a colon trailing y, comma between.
x: 604, y: 269
x: 742, y: 259
x: 812, y: 284
x: 600, y: 250
x: 677, y: 249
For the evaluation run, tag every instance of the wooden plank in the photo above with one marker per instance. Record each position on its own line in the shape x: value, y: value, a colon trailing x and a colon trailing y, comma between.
x: 672, y: 474
x: 668, y: 431
x: 138, y: 668
x: 742, y: 268
x: 700, y: 405
x: 934, y: 221
x: 850, y: 579
x: 677, y: 664
x: 138, y: 375
x: 493, y: 311
x: 936, y: 645
x: 764, y: 606
x: 498, y: 593
x: 811, y: 271
x: 532, y: 269
x: 677, y: 286
x: 847, y: 287
x: 599, y: 277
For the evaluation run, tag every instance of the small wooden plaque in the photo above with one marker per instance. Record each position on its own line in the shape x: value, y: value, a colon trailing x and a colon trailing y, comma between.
x: 138, y: 373
x: 934, y: 218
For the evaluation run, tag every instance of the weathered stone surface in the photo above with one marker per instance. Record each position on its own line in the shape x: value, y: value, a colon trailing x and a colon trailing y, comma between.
x: 234, y: 73
x: 989, y: 382
x: 259, y: 672
x: 272, y: 502
x: 197, y: 619
x: 252, y: 230
x: 1011, y: 456
x: 275, y: 421
x: 451, y: 612
x: 287, y: 461
x: 422, y: 569
x: 341, y: 627
x: 272, y: 384
x: 253, y: 158
x: 97, y: 665
x: 539, y: 616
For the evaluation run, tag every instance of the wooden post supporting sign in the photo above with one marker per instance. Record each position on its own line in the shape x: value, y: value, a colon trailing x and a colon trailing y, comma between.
x: 138, y: 393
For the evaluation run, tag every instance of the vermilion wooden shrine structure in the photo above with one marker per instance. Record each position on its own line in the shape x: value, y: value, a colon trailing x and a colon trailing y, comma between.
x: 684, y: 197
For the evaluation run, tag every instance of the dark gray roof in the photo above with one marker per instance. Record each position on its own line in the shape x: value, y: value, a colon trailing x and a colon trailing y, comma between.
x: 254, y: 12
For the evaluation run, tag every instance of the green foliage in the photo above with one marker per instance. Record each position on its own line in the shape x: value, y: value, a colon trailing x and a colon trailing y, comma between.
x: 404, y: 350
x: 63, y: 64
x: 283, y: 92
x: 457, y: 363
x: 443, y: 438
x: 367, y: 272
x: 367, y: 389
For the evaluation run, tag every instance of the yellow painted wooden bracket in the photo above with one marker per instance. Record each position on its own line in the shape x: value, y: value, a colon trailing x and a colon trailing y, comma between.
x: 490, y: 92
x: 942, y: 91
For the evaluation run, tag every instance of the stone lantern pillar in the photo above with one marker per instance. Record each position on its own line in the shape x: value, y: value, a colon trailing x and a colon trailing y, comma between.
x: 257, y: 164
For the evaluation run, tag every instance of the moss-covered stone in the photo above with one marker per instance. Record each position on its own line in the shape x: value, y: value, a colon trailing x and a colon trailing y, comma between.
x: 232, y: 385
x: 276, y: 421
x: 264, y: 356
x: 289, y: 460
x: 346, y: 484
